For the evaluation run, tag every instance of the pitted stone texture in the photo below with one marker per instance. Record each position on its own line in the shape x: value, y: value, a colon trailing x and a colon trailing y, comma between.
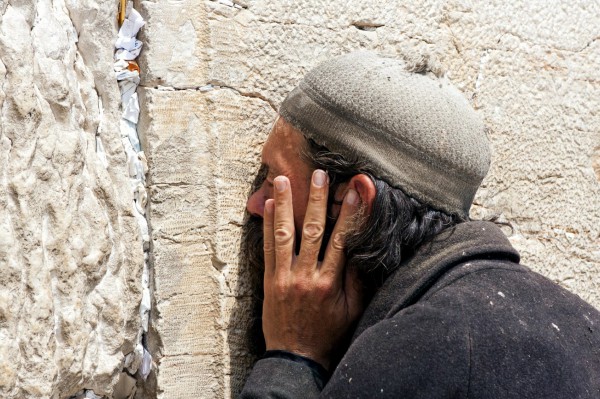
x: 281, y: 41
x: 70, y: 249
x: 202, y: 149
x: 175, y: 43
x: 531, y: 70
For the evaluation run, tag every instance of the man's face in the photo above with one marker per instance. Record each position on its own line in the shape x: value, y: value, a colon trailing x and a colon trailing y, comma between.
x: 281, y: 156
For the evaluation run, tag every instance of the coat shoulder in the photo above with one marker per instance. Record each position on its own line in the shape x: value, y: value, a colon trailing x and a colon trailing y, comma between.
x: 527, y: 334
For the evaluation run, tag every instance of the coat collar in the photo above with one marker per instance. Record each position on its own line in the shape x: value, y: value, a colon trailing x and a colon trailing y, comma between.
x: 461, y: 243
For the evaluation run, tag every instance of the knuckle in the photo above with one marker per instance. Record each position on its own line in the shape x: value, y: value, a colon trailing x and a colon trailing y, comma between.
x: 312, y: 231
x: 280, y: 288
x: 283, y: 235
x: 324, y: 287
x: 317, y: 195
x: 337, y: 242
x: 301, y: 286
x: 268, y: 247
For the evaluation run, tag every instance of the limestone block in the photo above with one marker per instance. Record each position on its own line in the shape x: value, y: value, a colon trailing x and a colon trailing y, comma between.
x: 542, y: 177
x: 187, y: 300
x: 523, y: 26
x: 202, y: 149
x: 70, y: 250
x: 190, y: 376
x: 239, y: 358
x: 175, y: 43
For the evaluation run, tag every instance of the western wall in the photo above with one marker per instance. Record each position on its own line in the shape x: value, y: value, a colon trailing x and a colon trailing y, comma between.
x: 121, y: 272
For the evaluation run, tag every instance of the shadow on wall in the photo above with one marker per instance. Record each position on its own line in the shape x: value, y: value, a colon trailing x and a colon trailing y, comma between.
x: 244, y: 336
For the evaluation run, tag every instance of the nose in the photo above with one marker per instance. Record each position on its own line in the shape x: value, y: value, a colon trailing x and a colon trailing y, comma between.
x: 256, y: 202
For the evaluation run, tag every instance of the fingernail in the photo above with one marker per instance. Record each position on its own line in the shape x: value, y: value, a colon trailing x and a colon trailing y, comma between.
x: 352, y: 197
x: 319, y: 178
x: 280, y: 183
x: 269, y: 206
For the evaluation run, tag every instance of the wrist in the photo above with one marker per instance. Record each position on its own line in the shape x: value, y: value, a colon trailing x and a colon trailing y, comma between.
x: 318, y: 370
x: 322, y: 361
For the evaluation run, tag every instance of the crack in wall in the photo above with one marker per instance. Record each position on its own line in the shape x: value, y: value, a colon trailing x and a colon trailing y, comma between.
x: 595, y: 39
x: 290, y: 23
x: 229, y: 3
x: 216, y: 85
x: 367, y: 25
x: 138, y: 363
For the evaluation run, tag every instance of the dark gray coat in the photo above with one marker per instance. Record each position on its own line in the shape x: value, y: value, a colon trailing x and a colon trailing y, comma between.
x: 461, y: 319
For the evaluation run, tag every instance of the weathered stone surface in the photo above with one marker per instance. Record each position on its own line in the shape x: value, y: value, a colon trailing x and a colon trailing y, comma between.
x: 176, y: 34
x: 70, y: 252
x: 202, y: 150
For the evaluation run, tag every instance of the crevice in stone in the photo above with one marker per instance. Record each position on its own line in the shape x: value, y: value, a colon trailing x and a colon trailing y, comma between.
x: 199, y: 353
x: 366, y: 25
x: 215, y: 85
x: 173, y: 184
x: 178, y: 88
x: 168, y: 297
x: 589, y: 44
x: 137, y: 363
x: 296, y: 23
x: 218, y: 264
x: 241, y: 4
x: 170, y: 238
x: 230, y: 3
x: 219, y: 85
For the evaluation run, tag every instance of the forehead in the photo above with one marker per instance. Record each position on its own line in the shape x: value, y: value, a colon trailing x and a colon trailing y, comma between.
x: 283, y: 146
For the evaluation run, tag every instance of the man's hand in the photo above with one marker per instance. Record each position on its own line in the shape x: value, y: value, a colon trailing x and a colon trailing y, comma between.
x: 309, y: 306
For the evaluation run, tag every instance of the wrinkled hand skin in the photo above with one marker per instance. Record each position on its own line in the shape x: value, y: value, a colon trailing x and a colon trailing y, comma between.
x: 309, y: 306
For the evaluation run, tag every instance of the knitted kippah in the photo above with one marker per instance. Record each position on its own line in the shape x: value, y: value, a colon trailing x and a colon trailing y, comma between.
x: 416, y: 131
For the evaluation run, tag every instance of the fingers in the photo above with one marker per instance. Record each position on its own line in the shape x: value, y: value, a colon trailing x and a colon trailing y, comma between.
x: 334, y: 260
x: 268, y: 238
x: 283, y: 223
x: 314, y: 220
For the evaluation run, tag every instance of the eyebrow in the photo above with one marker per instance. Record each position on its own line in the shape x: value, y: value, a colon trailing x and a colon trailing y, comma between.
x: 266, y: 169
x: 263, y: 172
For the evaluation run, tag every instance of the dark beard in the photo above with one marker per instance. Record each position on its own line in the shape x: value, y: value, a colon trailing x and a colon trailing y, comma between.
x: 253, y: 261
x: 252, y: 238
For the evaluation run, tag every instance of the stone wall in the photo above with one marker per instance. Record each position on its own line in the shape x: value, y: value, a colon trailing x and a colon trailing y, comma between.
x: 70, y: 249
x: 213, y: 74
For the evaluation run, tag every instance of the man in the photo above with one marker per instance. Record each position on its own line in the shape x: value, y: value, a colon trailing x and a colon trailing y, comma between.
x: 375, y: 282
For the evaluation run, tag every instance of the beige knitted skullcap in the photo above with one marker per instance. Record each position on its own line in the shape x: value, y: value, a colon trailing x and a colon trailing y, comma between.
x: 416, y: 131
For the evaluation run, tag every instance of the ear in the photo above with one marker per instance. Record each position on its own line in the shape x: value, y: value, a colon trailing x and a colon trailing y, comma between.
x: 365, y: 188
